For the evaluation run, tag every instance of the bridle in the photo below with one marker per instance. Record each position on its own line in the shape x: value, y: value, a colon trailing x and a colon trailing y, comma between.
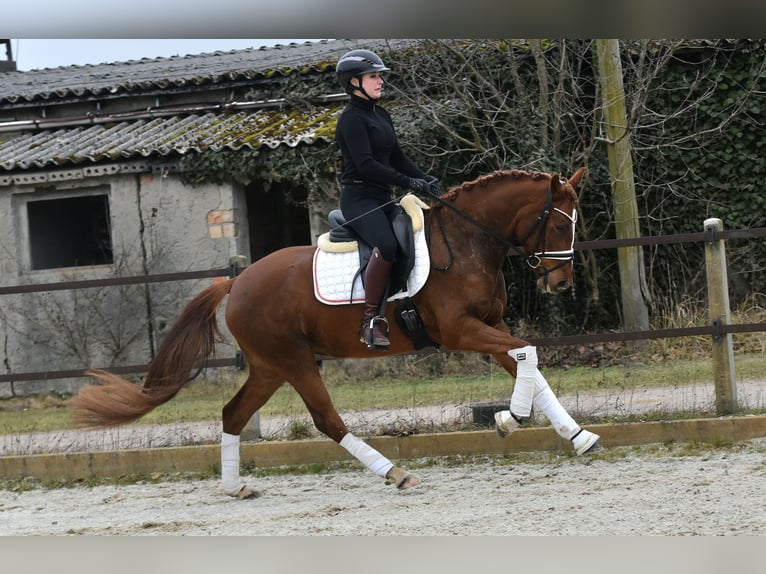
x: 565, y: 256
x: 539, y: 253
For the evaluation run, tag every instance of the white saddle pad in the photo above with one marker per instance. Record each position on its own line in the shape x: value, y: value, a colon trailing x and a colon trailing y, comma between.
x: 334, y: 272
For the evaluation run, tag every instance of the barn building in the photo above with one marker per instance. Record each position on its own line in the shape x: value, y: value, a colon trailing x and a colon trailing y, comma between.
x: 93, y: 186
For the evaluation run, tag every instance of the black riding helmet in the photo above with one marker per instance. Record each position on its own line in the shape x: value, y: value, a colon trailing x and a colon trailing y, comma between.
x: 356, y: 63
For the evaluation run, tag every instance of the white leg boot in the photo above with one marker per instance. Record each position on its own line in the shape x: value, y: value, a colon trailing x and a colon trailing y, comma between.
x: 377, y: 463
x: 523, y: 392
x: 530, y: 389
x: 231, y: 483
x: 524, y: 387
x: 545, y: 401
x: 230, y: 480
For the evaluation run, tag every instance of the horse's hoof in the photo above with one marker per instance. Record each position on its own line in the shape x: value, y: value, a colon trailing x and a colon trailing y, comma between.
x: 595, y: 448
x: 586, y: 442
x: 401, y: 479
x: 505, y: 423
x: 248, y: 493
x: 408, y: 482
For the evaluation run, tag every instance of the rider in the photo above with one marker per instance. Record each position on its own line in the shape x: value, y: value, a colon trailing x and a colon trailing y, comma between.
x: 373, y: 161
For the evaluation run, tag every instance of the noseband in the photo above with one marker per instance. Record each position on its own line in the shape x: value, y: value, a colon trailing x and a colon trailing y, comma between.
x: 565, y: 256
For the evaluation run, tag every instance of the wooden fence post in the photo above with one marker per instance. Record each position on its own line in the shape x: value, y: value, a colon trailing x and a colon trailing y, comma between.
x: 720, y: 314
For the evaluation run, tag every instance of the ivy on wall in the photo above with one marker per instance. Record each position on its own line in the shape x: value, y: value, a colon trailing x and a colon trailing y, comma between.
x: 709, y: 161
x: 309, y: 167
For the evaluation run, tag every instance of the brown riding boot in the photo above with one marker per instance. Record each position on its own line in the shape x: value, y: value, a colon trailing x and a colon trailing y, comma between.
x: 374, y: 331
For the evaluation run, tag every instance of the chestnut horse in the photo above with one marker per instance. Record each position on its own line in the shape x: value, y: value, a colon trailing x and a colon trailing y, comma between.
x: 281, y: 327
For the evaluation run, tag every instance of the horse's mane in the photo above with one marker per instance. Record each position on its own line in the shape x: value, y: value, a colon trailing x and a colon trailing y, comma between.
x: 484, y: 180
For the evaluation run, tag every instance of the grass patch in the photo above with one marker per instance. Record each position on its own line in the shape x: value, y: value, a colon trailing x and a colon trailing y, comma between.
x: 478, y: 381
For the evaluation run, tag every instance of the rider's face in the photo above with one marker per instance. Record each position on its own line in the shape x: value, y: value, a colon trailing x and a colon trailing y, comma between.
x: 372, y: 84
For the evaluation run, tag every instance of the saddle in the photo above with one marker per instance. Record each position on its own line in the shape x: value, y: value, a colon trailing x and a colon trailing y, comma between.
x: 342, y: 238
x: 337, y: 267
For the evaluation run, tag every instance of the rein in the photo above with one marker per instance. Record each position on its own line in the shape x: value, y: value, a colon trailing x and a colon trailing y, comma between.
x: 534, y: 260
x: 366, y: 213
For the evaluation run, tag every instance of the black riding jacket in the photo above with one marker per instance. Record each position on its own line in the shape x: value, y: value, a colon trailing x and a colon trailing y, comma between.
x: 371, y: 153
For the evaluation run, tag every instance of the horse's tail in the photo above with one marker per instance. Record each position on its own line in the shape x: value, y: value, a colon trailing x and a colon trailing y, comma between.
x: 117, y: 401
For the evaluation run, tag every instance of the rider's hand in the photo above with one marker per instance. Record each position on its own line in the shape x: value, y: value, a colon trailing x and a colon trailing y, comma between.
x: 419, y: 185
x: 433, y: 183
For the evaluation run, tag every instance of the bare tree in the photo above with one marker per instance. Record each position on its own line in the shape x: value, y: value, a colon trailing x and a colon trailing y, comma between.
x: 626, y: 219
x: 470, y: 106
x: 98, y: 326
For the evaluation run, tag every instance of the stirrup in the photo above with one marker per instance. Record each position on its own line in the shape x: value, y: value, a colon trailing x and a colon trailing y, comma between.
x: 368, y: 334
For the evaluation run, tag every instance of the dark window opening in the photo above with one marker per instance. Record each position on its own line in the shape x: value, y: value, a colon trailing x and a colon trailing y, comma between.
x: 276, y: 220
x: 71, y: 232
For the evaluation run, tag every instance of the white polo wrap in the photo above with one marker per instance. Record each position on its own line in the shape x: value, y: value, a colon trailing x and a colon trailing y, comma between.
x: 524, y: 388
x: 230, y: 480
x: 532, y: 388
x: 367, y: 455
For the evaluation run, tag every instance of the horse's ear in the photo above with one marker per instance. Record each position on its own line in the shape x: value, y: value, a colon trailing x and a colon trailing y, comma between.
x: 577, y: 177
x: 557, y: 182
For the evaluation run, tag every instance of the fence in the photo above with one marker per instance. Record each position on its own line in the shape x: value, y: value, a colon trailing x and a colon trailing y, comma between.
x: 236, y: 265
x: 719, y: 329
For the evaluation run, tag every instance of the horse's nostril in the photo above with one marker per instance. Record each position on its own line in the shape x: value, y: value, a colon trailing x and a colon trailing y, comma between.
x: 563, y: 286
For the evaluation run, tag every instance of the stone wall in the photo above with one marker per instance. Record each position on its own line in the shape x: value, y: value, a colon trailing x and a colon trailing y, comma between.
x: 156, y: 225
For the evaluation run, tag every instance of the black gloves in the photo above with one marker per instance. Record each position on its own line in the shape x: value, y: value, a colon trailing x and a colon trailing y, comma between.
x: 428, y: 186
x: 419, y: 185
x: 434, y: 184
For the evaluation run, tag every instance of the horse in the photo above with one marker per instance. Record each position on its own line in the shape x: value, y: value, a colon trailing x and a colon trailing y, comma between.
x: 281, y: 327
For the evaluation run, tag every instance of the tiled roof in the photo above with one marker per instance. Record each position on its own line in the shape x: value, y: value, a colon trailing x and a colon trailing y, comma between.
x: 162, y: 136
x: 66, y: 142
x: 144, y: 75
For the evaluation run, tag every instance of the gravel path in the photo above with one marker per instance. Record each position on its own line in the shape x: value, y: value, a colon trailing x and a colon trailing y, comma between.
x: 650, y: 490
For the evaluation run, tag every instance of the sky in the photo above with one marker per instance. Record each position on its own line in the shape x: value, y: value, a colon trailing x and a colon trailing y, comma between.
x: 384, y: 18
x: 31, y: 54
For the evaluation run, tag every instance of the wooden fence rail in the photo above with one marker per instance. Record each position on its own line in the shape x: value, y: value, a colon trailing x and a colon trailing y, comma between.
x: 718, y: 329
x: 113, y: 281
